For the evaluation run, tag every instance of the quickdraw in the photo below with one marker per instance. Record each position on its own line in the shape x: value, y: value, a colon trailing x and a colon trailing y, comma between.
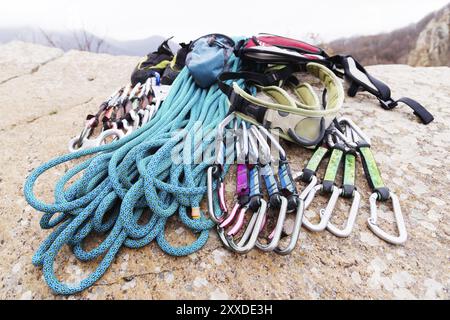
x: 381, y: 192
x: 348, y: 189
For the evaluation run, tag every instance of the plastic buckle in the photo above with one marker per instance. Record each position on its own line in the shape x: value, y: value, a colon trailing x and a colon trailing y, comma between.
x: 236, y: 101
x: 388, y: 104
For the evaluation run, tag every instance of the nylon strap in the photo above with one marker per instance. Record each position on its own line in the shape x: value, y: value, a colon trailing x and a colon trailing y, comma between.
x: 332, y: 169
x: 358, y: 77
x: 349, y: 175
x: 314, y: 163
x: 372, y: 172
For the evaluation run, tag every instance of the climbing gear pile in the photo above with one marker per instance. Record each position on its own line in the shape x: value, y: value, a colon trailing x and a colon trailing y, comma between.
x: 169, y: 139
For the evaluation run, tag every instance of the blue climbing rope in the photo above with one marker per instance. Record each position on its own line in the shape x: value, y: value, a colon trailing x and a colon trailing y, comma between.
x: 124, y: 179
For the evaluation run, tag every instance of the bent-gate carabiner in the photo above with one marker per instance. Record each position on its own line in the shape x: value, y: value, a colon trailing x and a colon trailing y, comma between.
x: 347, y: 230
x: 275, y: 236
x: 372, y: 222
x: 296, y: 232
x: 325, y: 218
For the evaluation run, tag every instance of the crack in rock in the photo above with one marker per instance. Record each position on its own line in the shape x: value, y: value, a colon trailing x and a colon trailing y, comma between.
x: 29, y: 121
x: 32, y: 71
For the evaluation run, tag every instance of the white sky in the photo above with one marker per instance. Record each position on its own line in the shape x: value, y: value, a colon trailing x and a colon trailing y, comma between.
x: 135, y: 19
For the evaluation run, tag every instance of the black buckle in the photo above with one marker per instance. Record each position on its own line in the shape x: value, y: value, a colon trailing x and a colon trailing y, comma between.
x: 236, y: 101
x: 388, y: 104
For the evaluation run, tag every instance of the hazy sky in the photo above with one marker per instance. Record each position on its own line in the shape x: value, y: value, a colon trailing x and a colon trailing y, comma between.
x: 134, y: 19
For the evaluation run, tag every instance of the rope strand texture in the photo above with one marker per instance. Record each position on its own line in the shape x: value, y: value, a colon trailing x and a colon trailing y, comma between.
x: 129, y: 176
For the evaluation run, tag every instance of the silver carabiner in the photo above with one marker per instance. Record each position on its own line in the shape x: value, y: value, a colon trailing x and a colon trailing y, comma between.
x: 265, y: 156
x: 275, y: 236
x: 92, y: 143
x: 250, y: 237
x: 296, y: 232
x: 213, y: 170
x: 347, y: 230
x: 325, y: 218
x: 273, y: 140
x: 312, y: 184
x: 356, y: 133
x: 210, y: 196
x: 372, y: 222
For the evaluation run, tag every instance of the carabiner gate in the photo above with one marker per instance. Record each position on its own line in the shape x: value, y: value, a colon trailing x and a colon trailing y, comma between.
x: 325, y: 217
x: 296, y: 231
x: 372, y: 222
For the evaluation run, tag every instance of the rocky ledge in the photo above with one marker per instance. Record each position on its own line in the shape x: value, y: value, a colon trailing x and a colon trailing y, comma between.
x: 45, y: 96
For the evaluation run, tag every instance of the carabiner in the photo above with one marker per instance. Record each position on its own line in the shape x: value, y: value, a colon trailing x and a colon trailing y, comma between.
x: 348, y: 190
x: 92, y: 143
x: 242, y: 183
x: 91, y: 123
x: 347, y: 230
x: 250, y: 237
x: 356, y: 133
x: 312, y: 183
x: 372, y: 222
x: 264, y: 154
x: 275, y: 236
x: 325, y: 217
x: 296, y: 232
x: 213, y: 171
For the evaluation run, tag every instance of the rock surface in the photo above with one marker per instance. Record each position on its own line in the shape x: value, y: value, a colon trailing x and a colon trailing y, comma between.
x: 433, y: 44
x: 45, y: 97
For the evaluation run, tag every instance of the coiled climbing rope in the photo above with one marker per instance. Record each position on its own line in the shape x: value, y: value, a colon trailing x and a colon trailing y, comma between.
x: 123, y: 179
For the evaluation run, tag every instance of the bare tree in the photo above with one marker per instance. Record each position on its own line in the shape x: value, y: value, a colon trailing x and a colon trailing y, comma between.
x: 49, y: 39
x: 81, y: 39
x: 87, y: 41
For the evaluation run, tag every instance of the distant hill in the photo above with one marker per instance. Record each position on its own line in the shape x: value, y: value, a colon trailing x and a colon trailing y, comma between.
x: 426, y: 43
x: 81, y: 40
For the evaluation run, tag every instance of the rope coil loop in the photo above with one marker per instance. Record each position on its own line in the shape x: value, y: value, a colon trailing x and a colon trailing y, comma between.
x: 128, y: 177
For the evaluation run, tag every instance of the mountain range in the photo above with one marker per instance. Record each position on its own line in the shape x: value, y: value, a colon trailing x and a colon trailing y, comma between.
x: 83, y: 40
